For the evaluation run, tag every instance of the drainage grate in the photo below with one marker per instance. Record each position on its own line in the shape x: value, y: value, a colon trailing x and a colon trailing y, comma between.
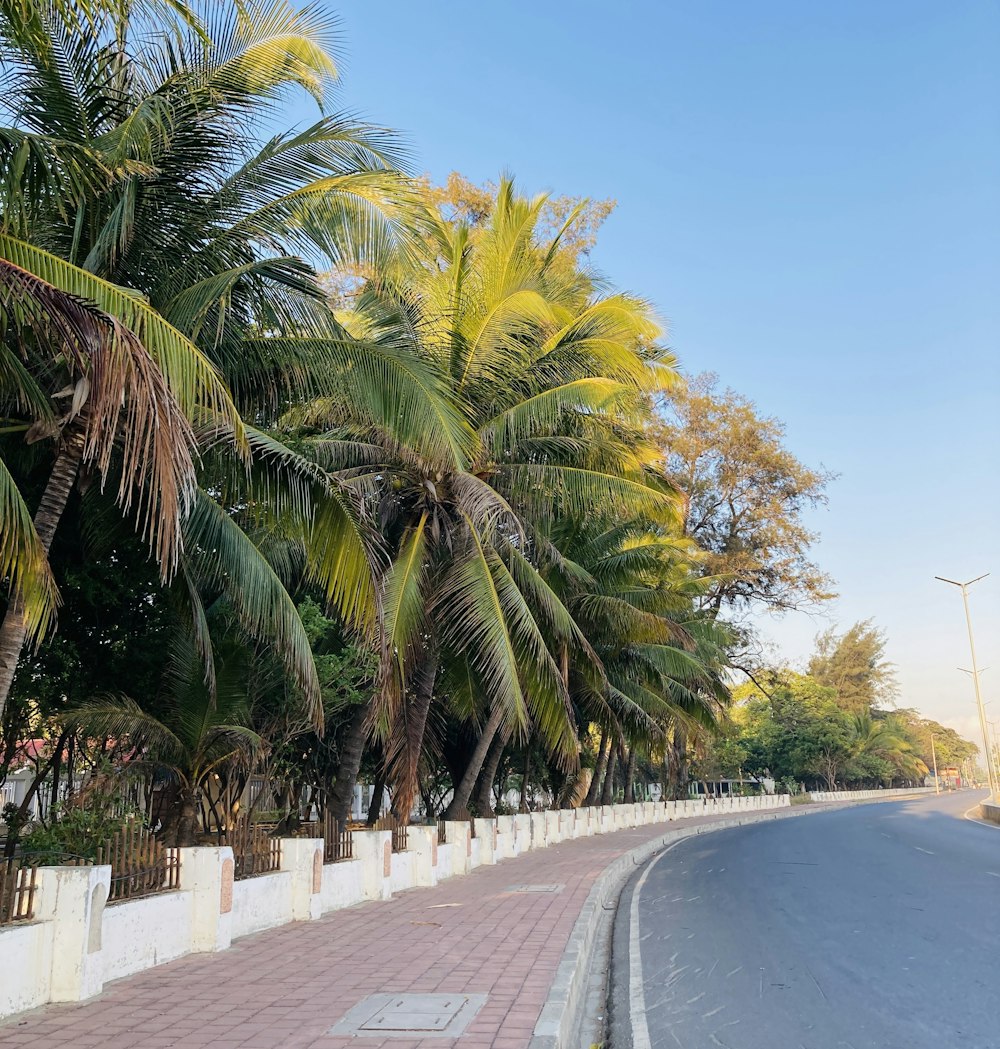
x: 403, y: 1015
x: 535, y: 888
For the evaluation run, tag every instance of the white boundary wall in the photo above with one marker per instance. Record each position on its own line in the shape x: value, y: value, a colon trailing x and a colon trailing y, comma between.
x: 76, y: 943
x: 861, y: 795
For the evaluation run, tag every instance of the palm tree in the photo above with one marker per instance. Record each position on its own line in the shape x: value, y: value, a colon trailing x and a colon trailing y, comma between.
x: 131, y: 181
x: 198, y: 732
x: 81, y: 381
x: 632, y: 588
x: 886, y: 738
x: 542, y: 382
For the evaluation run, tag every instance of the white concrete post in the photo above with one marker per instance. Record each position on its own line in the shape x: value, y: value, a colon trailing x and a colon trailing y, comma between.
x: 207, y: 873
x: 423, y: 843
x: 522, y: 833
x: 486, y: 835
x: 304, y: 858
x: 374, y: 849
x: 458, y: 834
x: 553, y: 830
x: 567, y: 821
x: 537, y: 821
x: 73, y: 899
x: 505, y: 837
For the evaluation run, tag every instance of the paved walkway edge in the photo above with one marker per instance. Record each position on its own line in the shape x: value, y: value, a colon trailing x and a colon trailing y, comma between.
x: 562, y: 1023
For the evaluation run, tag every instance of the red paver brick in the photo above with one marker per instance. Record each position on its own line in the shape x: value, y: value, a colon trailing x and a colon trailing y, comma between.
x: 285, y: 988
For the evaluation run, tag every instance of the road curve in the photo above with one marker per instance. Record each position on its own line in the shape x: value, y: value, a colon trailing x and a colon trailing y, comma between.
x: 873, y: 927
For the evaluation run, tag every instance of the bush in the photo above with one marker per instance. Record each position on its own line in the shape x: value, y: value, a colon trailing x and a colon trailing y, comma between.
x: 82, y: 825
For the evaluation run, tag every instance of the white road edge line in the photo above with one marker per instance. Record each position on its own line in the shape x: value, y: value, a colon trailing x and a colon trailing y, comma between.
x: 636, y: 997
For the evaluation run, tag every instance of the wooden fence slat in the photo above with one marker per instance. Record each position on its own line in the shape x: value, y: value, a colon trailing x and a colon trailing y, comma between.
x: 18, y: 883
x: 140, y: 864
x: 255, y: 851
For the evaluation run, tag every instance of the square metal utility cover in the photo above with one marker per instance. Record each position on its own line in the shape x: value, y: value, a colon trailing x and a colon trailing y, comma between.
x: 535, y: 888
x: 403, y: 1015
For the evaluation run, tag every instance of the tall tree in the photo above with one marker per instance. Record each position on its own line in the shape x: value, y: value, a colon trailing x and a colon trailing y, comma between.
x: 84, y: 384
x: 545, y: 380
x: 745, y: 499
x: 134, y: 179
x: 854, y: 666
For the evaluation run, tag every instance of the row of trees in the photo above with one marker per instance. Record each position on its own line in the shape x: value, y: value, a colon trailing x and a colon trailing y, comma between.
x: 836, y: 725
x: 326, y: 472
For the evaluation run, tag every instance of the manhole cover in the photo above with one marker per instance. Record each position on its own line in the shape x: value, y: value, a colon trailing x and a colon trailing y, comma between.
x: 402, y: 1015
x: 535, y: 888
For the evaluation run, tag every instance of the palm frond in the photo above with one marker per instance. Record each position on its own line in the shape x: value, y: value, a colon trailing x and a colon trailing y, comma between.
x: 189, y: 376
x: 23, y: 560
x: 223, y: 558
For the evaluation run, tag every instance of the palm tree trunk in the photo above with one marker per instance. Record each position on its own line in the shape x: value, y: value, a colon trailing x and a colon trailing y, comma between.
x: 607, y: 794
x: 375, y: 806
x: 406, y: 763
x: 522, y: 805
x: 630, y: 777
x: 602, y: 763
x: 458, y: 807
x: 14, y: 630
x: 677, y: 768
x: 484, y: 793
x: 187, y: 820
x: 342, y: 794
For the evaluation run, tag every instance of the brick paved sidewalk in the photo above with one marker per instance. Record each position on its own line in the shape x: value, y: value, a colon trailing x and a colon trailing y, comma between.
x: 285, y: 988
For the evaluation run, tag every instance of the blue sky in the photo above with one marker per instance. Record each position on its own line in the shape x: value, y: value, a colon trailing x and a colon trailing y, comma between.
x: 810, y: 194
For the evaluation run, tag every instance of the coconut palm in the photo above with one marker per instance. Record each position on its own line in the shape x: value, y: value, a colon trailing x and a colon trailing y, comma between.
x: 81, y: 382
x: 631, y: 587
x: 195, y: 733
x: 131, y: 180
x: 886, y: 738
x: 545, y: 381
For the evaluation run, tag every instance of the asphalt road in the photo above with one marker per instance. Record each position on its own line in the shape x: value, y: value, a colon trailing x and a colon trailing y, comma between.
x: 873, y: 927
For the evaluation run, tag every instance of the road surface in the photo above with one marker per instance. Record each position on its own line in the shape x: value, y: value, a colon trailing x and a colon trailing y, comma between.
x: 873, y: 927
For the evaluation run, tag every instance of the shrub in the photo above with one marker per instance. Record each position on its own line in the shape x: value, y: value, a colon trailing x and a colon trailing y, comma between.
x: 82, y: 825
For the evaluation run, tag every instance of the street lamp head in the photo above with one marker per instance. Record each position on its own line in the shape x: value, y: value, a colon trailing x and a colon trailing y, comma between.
x: 954, y: 582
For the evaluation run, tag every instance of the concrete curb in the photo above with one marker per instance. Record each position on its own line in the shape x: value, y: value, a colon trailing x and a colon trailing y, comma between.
x: 561, y: 1022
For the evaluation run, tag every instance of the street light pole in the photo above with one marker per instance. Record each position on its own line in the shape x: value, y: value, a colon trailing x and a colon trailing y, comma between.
x: 937, y: 782
x: 964, y: 587
x: 996, y: 746
x: 976, y: 676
